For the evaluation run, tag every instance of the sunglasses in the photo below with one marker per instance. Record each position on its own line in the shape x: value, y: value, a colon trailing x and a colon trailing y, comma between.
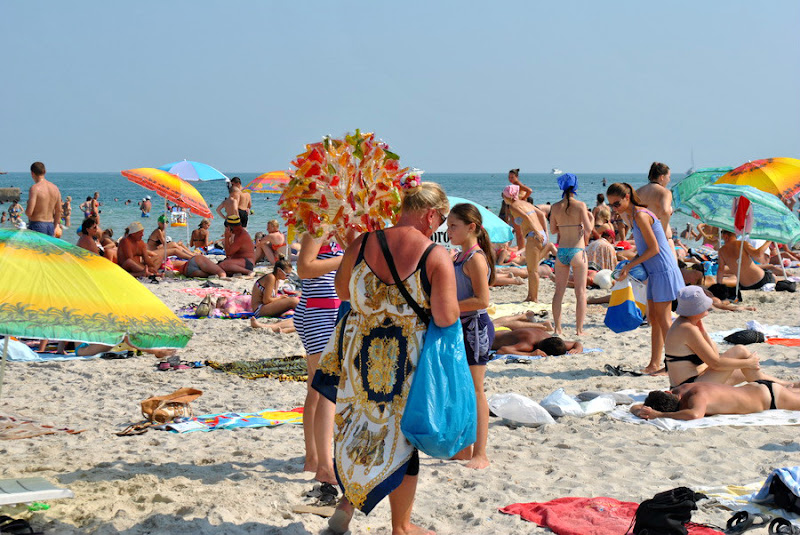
x: 615, y: 204
x: 284, y: 273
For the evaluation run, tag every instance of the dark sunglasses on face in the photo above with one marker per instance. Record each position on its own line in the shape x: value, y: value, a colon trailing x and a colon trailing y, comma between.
x: 615, y: 204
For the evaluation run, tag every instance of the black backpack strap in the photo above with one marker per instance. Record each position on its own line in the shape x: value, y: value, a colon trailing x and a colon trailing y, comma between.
x: 387, y: 255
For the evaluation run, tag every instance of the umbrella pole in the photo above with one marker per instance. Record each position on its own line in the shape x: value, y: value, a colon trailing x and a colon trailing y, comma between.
x: 739, y: 267
x: 778, y: 247
x: 3, y: 364
x: 166, y: 216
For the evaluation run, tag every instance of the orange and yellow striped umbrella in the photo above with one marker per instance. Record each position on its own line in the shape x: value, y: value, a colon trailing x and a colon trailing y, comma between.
x: 778, y: 176
x: 171, y: 187
x: 272, y: 182
x: 54, y: 290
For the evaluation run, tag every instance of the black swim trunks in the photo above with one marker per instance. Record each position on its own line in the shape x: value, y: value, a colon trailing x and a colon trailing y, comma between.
x: 244, y: 215
x: 768, y: 384
x: 766, y: 279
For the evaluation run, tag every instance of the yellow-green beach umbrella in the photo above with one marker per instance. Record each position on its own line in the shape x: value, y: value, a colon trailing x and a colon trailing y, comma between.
x: 51, y: 289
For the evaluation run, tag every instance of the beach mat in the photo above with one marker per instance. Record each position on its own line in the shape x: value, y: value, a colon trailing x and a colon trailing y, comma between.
x: 521, y: 358
x: 765, y: 418
x: 14, y: 427
x: 234, y: 420
x: 510, y: 309
x: 213, y: 292
x: 790, y: 342
x: 585, y: 516
x: 737, y: 498
x: 770, y: 331
x: 283, y: 369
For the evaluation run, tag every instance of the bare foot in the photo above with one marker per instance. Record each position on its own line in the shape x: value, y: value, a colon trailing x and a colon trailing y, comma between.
x: 654, y: 371
x: 531, y: 299
x: 579, y: 333
x: 310, y: 465
x: 558, y: 332
x: 462, y: 455
x: 412, y: 529
x: 340, y: 521
x: 255, y: 324
x: 478, y: 462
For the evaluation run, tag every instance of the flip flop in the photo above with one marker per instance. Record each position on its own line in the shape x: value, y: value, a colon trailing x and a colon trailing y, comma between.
x: 743, y: 521
x: 619, y: 370
x: 781, y: 526
x: 324, y: 512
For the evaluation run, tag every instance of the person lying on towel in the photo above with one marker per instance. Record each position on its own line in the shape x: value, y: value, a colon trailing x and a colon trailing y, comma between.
x: 692, y: 401
x: 532, y: 341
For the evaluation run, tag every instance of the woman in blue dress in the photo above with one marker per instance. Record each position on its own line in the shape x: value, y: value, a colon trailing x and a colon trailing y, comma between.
x: 653, y: 252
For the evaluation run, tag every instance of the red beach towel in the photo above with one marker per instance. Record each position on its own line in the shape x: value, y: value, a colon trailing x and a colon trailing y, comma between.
x: 794, y: 342
x: 585, y: 516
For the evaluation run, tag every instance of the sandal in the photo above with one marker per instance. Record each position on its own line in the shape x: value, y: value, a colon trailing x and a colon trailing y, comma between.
x: 132, y: 430
x: 743, y: 521
x: 328, y: 495
x: 780, y: 526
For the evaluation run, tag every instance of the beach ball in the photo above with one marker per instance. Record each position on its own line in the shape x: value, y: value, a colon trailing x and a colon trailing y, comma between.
x: 603, y: 279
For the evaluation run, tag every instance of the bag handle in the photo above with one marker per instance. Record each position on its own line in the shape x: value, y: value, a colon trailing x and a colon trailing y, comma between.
x: 387, y: 255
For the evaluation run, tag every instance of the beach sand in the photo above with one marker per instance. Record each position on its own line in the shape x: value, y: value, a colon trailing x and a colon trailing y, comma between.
x: 248, y: 480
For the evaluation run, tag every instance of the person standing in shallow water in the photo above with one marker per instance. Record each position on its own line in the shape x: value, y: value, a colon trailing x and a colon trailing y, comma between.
x: 655, y: 254
x: 524, y: 193
x: 44, y: 202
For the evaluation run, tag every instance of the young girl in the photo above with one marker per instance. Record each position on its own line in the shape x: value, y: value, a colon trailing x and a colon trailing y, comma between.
x: 266, y: 301
x: 474, y: 272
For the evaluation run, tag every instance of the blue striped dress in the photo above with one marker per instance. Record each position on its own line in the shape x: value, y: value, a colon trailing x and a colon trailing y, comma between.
x: 315, y: 315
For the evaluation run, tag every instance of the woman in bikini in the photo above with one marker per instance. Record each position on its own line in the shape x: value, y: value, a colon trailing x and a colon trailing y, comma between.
x: 199, y: 238
x: 533, y: 224
x: 524, y: 193
x: 157, y: 240
x: 266, y: 301
x: 602, y: 222
x: 569, y: 219
x: 269, y: 247
x: 691, y: 355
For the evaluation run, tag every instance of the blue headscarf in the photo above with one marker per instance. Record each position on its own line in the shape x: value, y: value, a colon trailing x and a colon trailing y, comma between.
x: 565, y: 181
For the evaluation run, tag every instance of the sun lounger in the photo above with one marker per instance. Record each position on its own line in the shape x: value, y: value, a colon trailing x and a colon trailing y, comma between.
x: 30, y: 489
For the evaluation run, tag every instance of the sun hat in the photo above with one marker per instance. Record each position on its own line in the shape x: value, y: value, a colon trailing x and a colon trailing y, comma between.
x: 162, y: 218
x: 233, y: 220
x: 692, y: 300
x: 511, y: 191
x: 148, y: 197
x: 135, y: 227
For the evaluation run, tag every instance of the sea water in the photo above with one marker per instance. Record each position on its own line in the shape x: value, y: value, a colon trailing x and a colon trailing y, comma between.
x: 114, y: 190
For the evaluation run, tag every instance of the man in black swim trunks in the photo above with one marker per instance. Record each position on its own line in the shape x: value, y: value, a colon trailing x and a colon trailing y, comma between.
x: 751, y: 275
x: 692, y: 401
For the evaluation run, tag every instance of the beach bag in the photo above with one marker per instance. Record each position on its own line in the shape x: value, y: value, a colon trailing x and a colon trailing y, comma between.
x: 781, y: 488
x: 744, y: 337
x: 628, y: 305
x: 725, y: 293
x: 204, y: 308
x: 440, y: 417
x: 163, y: 409
x: 786, y: 286
x: 666, y: 513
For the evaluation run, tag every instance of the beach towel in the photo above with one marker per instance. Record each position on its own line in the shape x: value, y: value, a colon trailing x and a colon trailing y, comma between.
x: 585, y: 516
x: 770, y: 331
x: 213, y: 292
x: 765, y: 418
x: 791, y: 342
x: 234, y: 420
x: 283, y: 369
x: 14, y: 427
x: 520, y: 358
x: 510, y: 309
x: 740, y: 498
x: 19, y: 352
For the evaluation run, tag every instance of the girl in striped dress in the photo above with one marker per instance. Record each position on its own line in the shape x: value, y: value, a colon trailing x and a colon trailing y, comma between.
x: 315, y: 319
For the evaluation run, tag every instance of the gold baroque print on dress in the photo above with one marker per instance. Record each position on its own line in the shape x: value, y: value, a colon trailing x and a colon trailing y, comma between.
x: 382, y: 363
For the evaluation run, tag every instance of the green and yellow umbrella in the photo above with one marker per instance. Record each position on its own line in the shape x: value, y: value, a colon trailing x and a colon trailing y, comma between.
x: 55, y: 290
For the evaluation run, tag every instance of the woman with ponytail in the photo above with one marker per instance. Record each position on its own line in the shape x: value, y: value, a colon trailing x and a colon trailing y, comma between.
x: 655, y: 255
x: 569, y: 219
x: 474, y: 268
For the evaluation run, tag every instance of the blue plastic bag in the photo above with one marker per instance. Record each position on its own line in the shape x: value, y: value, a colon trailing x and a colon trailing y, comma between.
x: 440, y: 417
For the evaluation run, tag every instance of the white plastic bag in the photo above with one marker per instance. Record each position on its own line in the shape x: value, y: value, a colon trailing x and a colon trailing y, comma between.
x: 519, y: 410
x: 604, y: 403
x: 560, y: 404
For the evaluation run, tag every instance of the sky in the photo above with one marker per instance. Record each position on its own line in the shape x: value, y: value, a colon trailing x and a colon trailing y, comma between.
x: 459, y: 87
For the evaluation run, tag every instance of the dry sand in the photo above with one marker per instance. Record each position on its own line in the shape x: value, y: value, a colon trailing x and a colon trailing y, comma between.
x: 246, y: 481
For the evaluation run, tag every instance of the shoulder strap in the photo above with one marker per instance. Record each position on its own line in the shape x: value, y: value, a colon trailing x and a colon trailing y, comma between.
x: 387, y: 255
x: 361, y: 249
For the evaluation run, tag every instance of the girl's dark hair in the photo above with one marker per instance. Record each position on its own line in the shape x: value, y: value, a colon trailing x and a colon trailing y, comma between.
x: 514, y: 172
x: 468, y: 213
x: 569, y: 192
x: 282, y: 264
x: 88, y: 223
x: 620, y: 189
x: 656, y: 170
x: 601, y: 198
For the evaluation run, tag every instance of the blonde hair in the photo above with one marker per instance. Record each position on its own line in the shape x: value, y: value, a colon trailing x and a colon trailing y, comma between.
x: 274, y: 222
x: 424, y: 197
x: 604, y: 214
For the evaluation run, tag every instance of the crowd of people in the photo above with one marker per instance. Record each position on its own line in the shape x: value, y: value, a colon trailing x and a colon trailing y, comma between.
x: 362, y: 311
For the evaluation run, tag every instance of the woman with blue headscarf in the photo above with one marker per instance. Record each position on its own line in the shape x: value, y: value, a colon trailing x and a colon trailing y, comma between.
x: 570, y: 220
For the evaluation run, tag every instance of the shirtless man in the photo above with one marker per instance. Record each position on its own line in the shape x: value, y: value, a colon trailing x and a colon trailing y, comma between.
x: 44, y: 202
x: 230, y: 206
x: 145, y: 205
x: 533, y: 341
x: 132, y: 254
x: 239, y: 249
x: 751, y: 275
x: 692, y: 401
x: 88, y: 238
x: 657, y: 197
x: 245, y: 201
